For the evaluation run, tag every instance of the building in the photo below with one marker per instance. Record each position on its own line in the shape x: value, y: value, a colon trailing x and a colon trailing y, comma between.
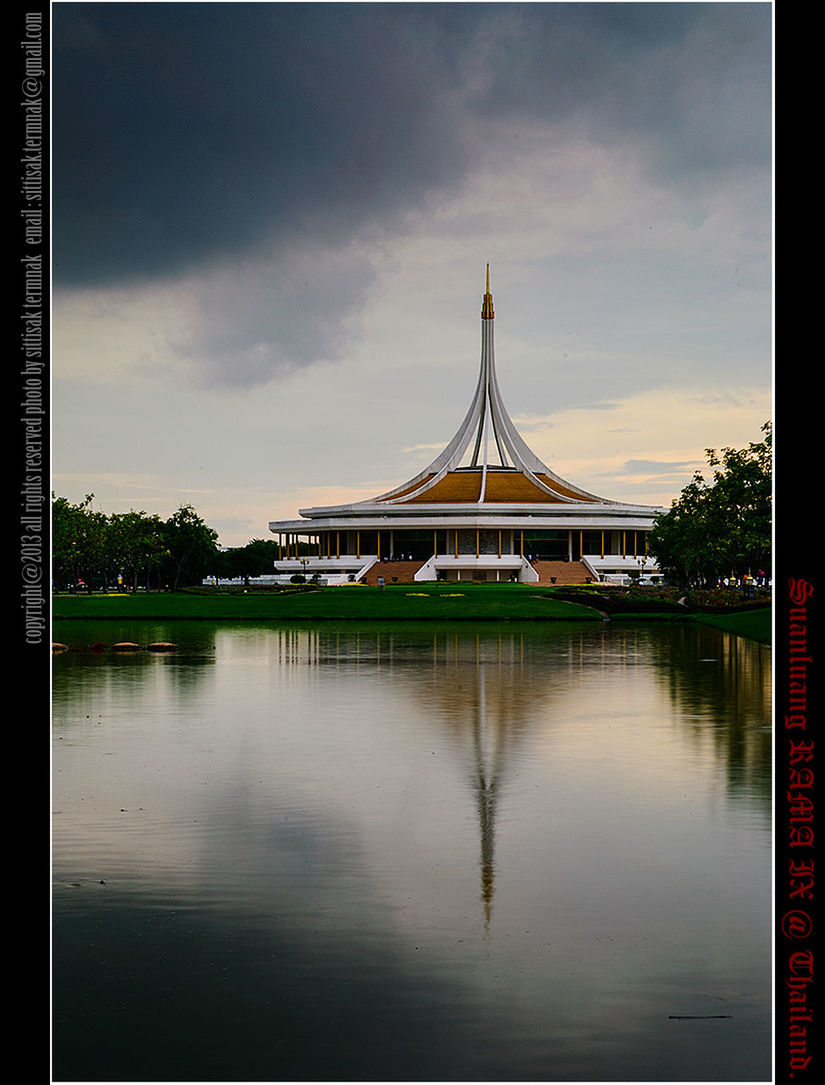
x: 486, y: 508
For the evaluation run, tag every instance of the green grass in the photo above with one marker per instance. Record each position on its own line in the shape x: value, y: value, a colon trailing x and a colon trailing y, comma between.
x: 397, y: 602
x: 407, y: 602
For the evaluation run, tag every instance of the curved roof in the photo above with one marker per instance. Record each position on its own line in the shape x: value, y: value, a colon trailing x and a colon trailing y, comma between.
x: 502, y: 486
x: 486, y: 470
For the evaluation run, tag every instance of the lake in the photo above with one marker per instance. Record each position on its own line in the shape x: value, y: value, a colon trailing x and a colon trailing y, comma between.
x: 411, y: 852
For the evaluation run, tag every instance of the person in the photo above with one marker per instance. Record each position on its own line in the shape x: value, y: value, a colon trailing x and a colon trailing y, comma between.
x: 381, y: 583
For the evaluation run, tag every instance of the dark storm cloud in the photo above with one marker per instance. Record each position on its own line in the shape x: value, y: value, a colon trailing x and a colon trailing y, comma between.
x: 251, y: 148
x: 267, y: 320
x: 186, y: 132
x: 689, y: 79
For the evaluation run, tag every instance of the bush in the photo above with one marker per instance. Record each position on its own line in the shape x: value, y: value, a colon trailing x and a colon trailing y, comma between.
x: 725, y: 599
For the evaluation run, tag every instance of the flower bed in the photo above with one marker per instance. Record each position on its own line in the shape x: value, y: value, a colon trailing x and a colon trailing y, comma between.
x: 726, y: 599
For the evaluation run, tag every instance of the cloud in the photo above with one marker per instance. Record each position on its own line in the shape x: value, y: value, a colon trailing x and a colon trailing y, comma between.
x: 234, y: 325
x: 674, y: 425
x: 186, y: 134
x: 238, y: 156
x: 271, y: 223
x: 659, y: 467
x: 687, y: 81
x: 258, y: 320
x: 435, y: 446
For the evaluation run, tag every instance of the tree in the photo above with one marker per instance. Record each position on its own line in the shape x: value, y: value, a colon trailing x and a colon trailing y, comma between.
x: 258, y: 556
x: 722, y: 527
x: 78, y: 542
x: 89, y: 547
x: 261, y: 555
x: 136, y: 543
x: 190, y: 547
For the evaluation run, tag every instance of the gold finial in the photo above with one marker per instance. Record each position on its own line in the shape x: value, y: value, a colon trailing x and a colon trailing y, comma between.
x: 487, y: 306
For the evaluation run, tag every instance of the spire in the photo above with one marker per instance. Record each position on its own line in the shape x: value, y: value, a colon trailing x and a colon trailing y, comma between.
x: 487, y: 305
x: 487, y: 427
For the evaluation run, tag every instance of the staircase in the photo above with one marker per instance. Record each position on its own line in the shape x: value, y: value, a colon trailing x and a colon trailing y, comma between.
x: 565, y: 572
x: 393, y: 572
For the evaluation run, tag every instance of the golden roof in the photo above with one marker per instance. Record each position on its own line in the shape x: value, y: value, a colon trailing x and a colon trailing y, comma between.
x: 509, y: 487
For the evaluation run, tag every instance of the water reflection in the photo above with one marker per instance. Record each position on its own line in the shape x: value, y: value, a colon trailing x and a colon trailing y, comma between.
x: 720, y: 684
x: 488, y: 769
x: 413, y: 853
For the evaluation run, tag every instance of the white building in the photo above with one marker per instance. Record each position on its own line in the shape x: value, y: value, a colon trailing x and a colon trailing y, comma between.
x: 486, y: 508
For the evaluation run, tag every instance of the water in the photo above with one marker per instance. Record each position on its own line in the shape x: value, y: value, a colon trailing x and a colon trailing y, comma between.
x: 408, y: 853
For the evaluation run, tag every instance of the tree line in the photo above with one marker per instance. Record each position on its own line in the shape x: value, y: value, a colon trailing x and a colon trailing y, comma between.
x: 719, y: 528
x: 92, y: 550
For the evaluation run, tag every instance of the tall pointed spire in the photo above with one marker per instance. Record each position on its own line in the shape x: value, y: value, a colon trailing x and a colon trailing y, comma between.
x: 488, y: 429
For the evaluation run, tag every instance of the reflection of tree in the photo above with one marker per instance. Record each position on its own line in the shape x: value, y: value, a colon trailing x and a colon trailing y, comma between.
x: 91, y: 670
x: 720, y: 688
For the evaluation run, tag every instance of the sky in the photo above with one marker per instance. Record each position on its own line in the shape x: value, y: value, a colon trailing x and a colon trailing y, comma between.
x: 271, y: 226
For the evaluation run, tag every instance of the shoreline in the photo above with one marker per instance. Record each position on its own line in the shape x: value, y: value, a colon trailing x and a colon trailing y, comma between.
x: 397, y: 603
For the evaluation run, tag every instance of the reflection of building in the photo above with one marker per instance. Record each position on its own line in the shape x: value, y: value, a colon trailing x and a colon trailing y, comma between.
x: 486, y: 508
x: 490, y: 702
x: 488, y: 765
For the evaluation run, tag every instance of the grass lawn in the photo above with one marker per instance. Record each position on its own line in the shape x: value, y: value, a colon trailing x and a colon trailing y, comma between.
x: 396, y: 602
x: 402, y: 602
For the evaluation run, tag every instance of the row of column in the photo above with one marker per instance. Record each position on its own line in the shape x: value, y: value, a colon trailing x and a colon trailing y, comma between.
x: 328, y: 544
